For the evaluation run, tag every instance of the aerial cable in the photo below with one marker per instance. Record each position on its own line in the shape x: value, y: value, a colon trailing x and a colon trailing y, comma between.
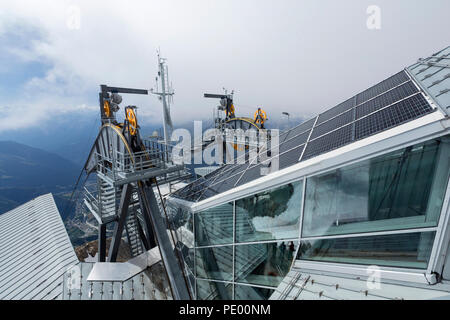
x: 68, y: 205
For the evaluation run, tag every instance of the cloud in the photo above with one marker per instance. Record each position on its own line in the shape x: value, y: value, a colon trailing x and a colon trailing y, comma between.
x: 295, y: 56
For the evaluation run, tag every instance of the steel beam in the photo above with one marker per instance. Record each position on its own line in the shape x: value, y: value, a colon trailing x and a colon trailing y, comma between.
x: 145, y: 242
x: 118, y: 229
x: 216, y: 96
x: 122, y: 90
x: 151, y: 242
x: 173, y: 268
x: 102, y: 242
x: 147, y: 174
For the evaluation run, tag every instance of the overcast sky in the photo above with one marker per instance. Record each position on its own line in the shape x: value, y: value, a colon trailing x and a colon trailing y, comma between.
x: 298, y: 56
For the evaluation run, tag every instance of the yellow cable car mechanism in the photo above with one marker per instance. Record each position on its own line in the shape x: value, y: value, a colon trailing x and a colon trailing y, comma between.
x: 132, y: 120
x: 107, y: 109
x: 230, y: 112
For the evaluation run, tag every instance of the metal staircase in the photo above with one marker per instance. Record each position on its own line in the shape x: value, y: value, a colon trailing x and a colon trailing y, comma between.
x: 107, y: 199
x: 131, y: 228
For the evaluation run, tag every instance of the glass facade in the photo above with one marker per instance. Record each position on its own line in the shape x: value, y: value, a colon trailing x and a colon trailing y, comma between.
x: 182, y: 227
x: 269, y: 215
x: 390, y: 192
x: 228, y: 248
x: 214, y: 226
x: 252, y: 293
x: 215, y: 263
x: 212, y: 290
x: 264, y: 263
x: 381, y: 211
x: 408, y: 250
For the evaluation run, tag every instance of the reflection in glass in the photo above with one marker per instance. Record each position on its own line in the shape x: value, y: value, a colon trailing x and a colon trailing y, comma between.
x: 209, y: 290
x: 215, y: 263
x: 252, y: 293
x: 400, y: 190
x: 264, y: 264
x: 272, y: 214
x: 214, y: 225
x: 181, y: 221
x: 409, y: 250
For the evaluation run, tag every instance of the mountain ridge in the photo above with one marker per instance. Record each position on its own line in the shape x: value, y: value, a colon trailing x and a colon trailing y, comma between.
x: 27, y: 172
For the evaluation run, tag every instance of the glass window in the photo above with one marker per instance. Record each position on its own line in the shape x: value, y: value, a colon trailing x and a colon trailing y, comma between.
x: 215, y: 263
x: 269, y: 215
x: 181, y: 220
x: 214, y: 225
x: 264, y: 264
x: 400, y: 190
x: 209, y: 290
x: 409, y: 250
x: 191, y: 281
x: 252, y: 293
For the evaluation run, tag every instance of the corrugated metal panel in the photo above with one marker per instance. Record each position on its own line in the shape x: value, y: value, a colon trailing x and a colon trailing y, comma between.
x: 433, y: 75
x: 35, y: 251
x: 150, y: 284
x: 302, y: 284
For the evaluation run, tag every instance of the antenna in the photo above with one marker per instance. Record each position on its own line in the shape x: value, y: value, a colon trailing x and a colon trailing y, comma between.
x: 165, y: 95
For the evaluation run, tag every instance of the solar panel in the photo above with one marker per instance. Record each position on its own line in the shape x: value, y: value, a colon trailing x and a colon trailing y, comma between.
x: 340, y: 108
x: 305, y: 126
x: 291, y: 157
x: 234, y: 177
x: 332, y: 124
x: 381, y: 87
x: 403, y: 111
x: 206, y: 193
x: 285, y: 160
x: 386, y: 99
x: 294, y: 142
x: 189, y: 189
x: 390, y: 103
x: 250, y: 174
x: 284, y: 136
x: 221, y: 186
x: 328, y: 142
x: 227, y: 171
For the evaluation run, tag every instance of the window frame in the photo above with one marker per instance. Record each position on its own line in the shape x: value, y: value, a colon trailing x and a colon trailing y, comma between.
x: 441, y: 228
x: 369, y: 232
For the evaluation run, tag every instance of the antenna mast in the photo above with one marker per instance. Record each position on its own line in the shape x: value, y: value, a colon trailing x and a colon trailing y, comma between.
x: 165, y: 95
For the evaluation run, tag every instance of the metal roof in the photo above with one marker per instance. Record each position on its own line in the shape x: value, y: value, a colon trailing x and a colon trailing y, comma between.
x: 300, y: 284
x: 433, y: 76
x: 35, y: 251
x: 399, y: 99
x: 148, y: 284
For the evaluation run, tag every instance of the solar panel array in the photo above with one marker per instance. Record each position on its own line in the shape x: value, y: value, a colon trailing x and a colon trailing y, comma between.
x: 390, y: 103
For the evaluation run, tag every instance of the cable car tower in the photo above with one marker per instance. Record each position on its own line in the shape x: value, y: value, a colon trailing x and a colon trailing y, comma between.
x: 127, y: 199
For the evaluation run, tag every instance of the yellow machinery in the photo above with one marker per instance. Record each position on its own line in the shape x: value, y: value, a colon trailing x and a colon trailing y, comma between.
x: 260, y: 117
x: 236, y: 123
